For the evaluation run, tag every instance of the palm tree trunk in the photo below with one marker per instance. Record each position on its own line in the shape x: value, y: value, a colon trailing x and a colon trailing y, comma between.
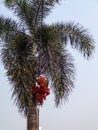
x: 33, y: 118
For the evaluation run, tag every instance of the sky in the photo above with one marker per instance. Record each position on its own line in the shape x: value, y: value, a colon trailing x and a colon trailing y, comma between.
x: 80, y: 112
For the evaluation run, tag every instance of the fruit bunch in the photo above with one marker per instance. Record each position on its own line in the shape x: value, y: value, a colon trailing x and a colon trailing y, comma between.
x: 41, y: 90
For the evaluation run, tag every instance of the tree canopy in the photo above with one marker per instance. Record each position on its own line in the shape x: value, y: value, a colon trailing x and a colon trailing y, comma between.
x: 31, y: 48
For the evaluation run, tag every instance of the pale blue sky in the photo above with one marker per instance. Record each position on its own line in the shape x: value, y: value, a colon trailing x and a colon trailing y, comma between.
x: 81, y: 111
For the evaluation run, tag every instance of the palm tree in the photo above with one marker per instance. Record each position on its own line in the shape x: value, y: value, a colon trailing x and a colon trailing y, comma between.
x: 31, y: 48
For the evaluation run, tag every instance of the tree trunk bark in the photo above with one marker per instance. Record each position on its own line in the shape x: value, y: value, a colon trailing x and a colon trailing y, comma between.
x: 33, y: 118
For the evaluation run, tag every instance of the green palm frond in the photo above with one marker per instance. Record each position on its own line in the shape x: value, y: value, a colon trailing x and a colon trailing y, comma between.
x: 77, y: 36
x: 9, y: 28
x: 23, y: 9
x: 22, y: 99
x: 63, y: 78
x: 32, y: 12
x: 20, y: 64
x: 55, y: 63
x: 18, y: 54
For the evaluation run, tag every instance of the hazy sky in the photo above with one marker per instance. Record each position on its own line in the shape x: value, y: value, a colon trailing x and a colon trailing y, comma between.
x: 81, y: 111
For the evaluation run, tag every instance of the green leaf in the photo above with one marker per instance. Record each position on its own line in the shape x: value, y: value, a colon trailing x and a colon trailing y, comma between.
x: 78, y: 37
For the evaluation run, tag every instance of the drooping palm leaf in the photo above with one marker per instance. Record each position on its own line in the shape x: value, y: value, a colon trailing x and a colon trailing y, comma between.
x: 56, y: 63
x: 77, y: 36
x: 20, y: 64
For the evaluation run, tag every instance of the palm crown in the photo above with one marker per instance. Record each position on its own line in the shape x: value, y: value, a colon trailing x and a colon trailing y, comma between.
x: 31, y: 48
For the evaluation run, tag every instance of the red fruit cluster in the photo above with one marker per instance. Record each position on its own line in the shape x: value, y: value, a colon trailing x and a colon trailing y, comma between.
x: 41, y: 94
x: 41, y: 90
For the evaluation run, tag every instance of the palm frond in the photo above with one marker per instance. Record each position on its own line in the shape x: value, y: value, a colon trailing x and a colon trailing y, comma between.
x: 9, y: 28
x: 56, y: 64
x: 32, y: 12
x: 77, y: 36
x: 63, y: 78
x: 20, y: 63
x: 22, y: 99
x: 23, y: 9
